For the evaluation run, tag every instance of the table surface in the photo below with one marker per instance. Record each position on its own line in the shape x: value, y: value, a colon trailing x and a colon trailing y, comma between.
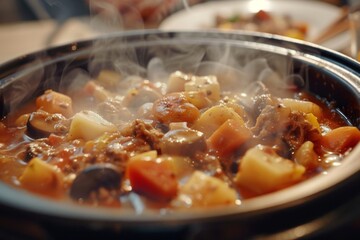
x: 22, y: 38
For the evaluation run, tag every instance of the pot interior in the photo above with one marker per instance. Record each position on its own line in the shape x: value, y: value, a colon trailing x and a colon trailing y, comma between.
x: 323, y: 73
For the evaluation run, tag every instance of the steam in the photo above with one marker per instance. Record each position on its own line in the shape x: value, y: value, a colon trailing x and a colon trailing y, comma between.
x: 238, y: 69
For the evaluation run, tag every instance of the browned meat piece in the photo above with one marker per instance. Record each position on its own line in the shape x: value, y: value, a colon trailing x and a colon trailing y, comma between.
x: 298, y: 130
x: 37, y: 148
x: 144, y: 131
x: 271, y: 122
x: 262, y: 101
x: 120, y: 150
x: 277, y: 126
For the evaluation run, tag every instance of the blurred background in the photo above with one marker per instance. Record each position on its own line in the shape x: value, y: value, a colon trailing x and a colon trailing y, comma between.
x: 32, y: 25
x: 29, y: 10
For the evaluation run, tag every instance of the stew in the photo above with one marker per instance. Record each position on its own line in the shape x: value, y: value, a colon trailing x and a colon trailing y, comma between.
x: 180, y: 144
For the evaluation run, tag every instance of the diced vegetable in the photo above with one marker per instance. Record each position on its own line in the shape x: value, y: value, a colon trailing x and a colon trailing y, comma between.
x: 214, y: 117
x: 89, y: 125
x: 302, y: 106
x: 153, y: 178
x: 341, y: 139
x: 181, y: 165
x: 229, y: 136
x: 313, y: 120
x: 239, y: 109
x: 138, y: 96
x: 97, y: 91
x: 92, y: 178
x: 206, y: 84
x: 109, y: 78
x: 40, y: 176
x: 306, y: 156
x: 54, y: 102
x: 176, y: 82
x: 22, y: 120
x: 202, y: 190
x: 146, y: 156
x: 198, y: 98
x: 262, y: 171
x: 41, y: 124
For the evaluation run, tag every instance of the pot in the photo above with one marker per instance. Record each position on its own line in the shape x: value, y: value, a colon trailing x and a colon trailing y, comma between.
x: 309, y: 209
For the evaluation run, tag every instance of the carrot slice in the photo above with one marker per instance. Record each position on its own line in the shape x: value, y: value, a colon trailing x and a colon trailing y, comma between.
x: 341, y: 139
x: 229, y: 136
x: 154, y: 179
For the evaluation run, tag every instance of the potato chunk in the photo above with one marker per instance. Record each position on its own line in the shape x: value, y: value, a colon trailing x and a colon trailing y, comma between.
x: 206, y: 84
x: 214, y: 117
x: 307, y: 156
x: 55, y: 102
x: 262, y: 170
x: 89, y: 125
x: 202, y: 190
x: 40, y: 176
x: 302, y: 106
x: 177, y: 82
x: 109, y: 78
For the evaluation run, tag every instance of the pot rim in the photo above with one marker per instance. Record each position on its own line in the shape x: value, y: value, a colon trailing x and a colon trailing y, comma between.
x: 290, y: 197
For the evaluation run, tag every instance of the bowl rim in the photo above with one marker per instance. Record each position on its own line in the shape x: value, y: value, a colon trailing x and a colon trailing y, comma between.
x: 290, y: 197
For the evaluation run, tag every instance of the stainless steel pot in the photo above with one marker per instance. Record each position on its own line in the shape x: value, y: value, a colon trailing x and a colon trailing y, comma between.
x: 308, y: 209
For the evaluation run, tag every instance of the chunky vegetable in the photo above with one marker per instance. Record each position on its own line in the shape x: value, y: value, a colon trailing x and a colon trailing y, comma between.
x: 42, y: 177
x: 42, y: 124
x: 89, y: 125
x: 307, y: 156
x: 54, y: 102
x: 302, y: 106
x: 152, y: 177
x: 262, y: 170
x: 341, y: 139
x: 214, y: 117
x: 207, y: 84
x: 93, y: 178
x: 203, y: 190
x: 229, y: 137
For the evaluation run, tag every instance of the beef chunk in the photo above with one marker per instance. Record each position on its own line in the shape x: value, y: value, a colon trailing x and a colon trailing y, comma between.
x: 283, y: 129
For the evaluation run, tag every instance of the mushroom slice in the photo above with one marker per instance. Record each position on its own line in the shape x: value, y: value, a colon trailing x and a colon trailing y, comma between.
x: 183, y: 142
x: 41, y: 124
x: 93, y: 178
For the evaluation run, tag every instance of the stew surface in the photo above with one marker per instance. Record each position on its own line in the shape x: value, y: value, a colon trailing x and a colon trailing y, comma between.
x: 131, y: 143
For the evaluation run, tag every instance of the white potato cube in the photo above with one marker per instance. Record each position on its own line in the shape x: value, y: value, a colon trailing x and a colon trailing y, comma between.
x: 214, y: 117
x: 176, y: 82
x: 42, y: 177
x: 207, y: 84
x: 89, y: 125
x: 202, y: 190
x: 264, y: 171
x: 109, y: 78
x: 302, y: 106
